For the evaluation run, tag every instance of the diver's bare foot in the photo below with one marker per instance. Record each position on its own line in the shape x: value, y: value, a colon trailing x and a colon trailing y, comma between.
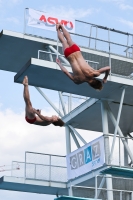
x: 58, y: 26
x: 25, y: 81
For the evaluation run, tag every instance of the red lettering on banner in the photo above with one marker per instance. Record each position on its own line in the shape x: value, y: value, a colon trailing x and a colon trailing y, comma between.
x: 43, y: 18
x: 65, y: 23
x: 52, y: 20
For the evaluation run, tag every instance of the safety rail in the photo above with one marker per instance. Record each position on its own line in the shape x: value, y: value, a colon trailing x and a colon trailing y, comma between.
x: 99, y: 38
x: 93, y: 33
x: 118, y: 153
x: 124, y: 69
x: 20, y: 172
x: 122, y: 189
x: 45, y: 167
x: 53, y: 167
x: 41, y: 55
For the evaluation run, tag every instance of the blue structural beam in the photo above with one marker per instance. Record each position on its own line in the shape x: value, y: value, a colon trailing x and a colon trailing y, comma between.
x: 73, y: 198
x: 119, y: 171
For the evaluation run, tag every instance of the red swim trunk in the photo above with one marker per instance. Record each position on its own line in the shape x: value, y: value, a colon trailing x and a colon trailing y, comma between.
x: 68, y: 51
x: 31, y: 121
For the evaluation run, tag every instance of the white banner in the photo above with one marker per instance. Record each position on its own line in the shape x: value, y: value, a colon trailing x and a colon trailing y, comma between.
x: 86, y: 158
x: 47, y: 21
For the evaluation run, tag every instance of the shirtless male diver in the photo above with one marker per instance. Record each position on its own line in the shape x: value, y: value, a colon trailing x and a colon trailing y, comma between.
x: 82, y: 72
x: 34, y: 116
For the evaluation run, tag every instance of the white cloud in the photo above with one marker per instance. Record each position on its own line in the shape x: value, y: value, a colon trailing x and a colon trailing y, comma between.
x: 6, y: 3
x: 127, y: 23
x: 17, y: 136
x: 115, y: 1
x: 15, y: 1
x: 125, y: 7
x: 70, y: 12
x: 13, y: 20
x: 122, y: 4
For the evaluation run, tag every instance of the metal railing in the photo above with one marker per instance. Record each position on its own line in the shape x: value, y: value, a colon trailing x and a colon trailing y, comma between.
x: 119, y: 150
x: 45, y: 167
x: 98, y: 38
x: 45, y: 55
x: 122, y: 188
x: 39, y: 166
x: 53, y: 167
x: 119, y: 68
x: 18, y: 173
x: 92, y: 36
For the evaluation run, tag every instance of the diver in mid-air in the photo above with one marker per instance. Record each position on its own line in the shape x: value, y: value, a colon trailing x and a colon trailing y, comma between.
x: 34, y: 116
x: 82, y: 72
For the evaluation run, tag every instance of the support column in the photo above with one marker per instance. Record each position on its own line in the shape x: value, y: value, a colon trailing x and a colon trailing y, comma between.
x: 117, y: 124
x: 68, y: 140
x: 125, y: 154
x: 106, y: 147
x: 109, y: 187
x: 70, y: 191
x: 128, y: 196
x: 120, y: 134
x: 105, y: 130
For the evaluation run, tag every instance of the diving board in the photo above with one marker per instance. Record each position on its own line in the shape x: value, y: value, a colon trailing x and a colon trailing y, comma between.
x: 73, y: 198
x: 33, y: 186
x: 16, y: 49
x: 119, y: 171
x: 46, y: 74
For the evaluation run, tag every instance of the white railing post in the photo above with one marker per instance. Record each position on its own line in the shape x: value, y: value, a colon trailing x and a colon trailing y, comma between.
x: 96, y: 187
x: 35, y: 172
x: 120, y: 195
x: 25, y: 167
x: 50, y: 170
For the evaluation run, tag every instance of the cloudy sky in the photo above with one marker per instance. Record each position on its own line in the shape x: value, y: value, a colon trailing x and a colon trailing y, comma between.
x: 17, y: 136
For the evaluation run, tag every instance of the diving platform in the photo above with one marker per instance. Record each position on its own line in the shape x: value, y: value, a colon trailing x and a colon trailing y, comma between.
x: 119, y: 171
x: 20, y: 52
x: 46, y: 74
x: 33, y: 186
x: 85, y: 117
x: 73, y: 198
x: 17, y: 49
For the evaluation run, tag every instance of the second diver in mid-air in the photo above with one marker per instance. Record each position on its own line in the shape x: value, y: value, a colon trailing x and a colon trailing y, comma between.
x: 34, y: 116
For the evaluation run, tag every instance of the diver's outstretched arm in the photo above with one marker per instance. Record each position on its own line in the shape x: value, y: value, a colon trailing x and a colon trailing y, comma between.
x: 64, y: 69
x: 52, y: 119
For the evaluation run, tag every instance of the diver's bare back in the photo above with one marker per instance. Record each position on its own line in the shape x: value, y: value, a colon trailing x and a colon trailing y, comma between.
x: 81, y: 70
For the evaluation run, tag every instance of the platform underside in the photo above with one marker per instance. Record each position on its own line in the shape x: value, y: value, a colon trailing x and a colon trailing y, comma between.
x: 73, y: 198
x: 118, y: 171
x: 91, y: 119
x: 32, y: 186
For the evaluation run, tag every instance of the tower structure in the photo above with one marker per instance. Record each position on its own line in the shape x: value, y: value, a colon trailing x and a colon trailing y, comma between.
x: 108, y: 111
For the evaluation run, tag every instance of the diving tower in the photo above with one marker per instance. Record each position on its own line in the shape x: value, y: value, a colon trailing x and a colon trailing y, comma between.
x: 108, y: 111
